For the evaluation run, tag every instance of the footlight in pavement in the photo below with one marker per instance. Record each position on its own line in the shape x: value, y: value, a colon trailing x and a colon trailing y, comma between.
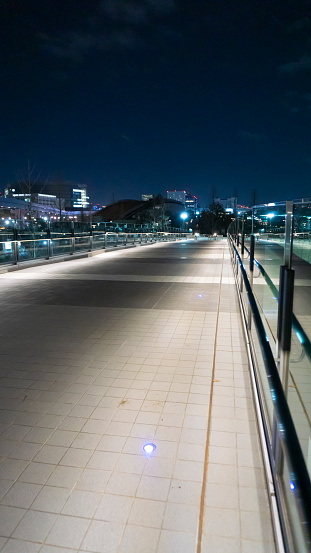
x: 200, y: 295
x: 149, y: 449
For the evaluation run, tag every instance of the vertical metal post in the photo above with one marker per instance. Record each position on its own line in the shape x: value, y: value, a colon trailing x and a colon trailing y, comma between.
x: 288, y: 250
x: 91, y: 238
x: 242, y: 243
x: 286, y: 331
x: 73, y: 244
x: 251, y: 277
x: 286, y: 296
x: 48, y: 239
x: 15, y: 245
x: 288, y: 246
x: 280, y: 312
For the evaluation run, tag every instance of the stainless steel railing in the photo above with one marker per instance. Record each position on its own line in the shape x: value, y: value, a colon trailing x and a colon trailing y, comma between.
x: 290, y: 486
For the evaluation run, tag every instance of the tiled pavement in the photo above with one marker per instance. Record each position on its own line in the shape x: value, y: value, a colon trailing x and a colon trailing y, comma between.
x: 101, y: 356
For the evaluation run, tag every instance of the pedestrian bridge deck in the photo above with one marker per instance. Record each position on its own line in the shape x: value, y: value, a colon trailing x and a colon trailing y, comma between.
x: 102, y: 355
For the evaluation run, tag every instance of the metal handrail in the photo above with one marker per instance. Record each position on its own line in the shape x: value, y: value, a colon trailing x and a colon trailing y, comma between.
x: 300, y: 481
x: 81, y: 242
x: 300, y: 333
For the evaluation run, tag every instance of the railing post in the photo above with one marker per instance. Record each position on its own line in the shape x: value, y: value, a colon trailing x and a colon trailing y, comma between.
x: 286, y: 330
x: 251, y: 277
x: 91, y: 238
x: 288, y: 246
x: 48, y: 238
x: 73, y: 244
x: 15, y: 246
x: 242, y: 244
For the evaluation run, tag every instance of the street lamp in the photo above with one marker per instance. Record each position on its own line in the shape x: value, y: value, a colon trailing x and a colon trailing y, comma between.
x: 270, y: 216
x: 184, y: 216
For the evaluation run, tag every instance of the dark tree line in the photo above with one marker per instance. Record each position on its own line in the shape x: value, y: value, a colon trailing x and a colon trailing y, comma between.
x: 215, y: 220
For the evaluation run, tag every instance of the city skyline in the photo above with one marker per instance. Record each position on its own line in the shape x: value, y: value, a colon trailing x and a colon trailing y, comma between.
x: 142, y: 96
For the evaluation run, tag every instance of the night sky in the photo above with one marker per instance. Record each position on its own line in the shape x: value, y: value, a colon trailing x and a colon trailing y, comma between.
x: 142, y: 96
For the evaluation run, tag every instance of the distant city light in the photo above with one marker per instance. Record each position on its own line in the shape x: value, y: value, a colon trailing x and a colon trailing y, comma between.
x: 270, y: 215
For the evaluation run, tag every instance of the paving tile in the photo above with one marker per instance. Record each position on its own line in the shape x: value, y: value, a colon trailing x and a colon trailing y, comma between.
x: 123, y: 484
x: 81, y: 503
x: 139, y: 540
x: 36, y: 473
x: 20, y: 546
x: 176, y: 541
x: 103, y: 537
x: 68, y: 531
x: 9, y: 519
x: 50, y: 454
x: 222, y: 522
x: 114, y: 508
x: 76, y: 457
x: 147, y: 513
x: 151, y: 487
x: 34, y: 526
x: 21, y: 494
x: 182, y: 518
x: 65, y: 477
x: 51, y: 499
x: 213, y: 544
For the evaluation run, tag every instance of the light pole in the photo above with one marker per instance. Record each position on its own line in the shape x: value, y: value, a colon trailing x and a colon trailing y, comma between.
x: 270, y: 216
x: 184, y: 216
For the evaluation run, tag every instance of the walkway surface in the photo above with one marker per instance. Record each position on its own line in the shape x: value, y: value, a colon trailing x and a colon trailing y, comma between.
x: 102, y: 355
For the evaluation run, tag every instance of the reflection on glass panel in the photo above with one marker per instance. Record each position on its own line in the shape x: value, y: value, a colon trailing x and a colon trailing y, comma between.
x: 292, y: 512
x: 262, y: 378
x: 6, y: 252
x: 299, y: 395
x: 61, y: 246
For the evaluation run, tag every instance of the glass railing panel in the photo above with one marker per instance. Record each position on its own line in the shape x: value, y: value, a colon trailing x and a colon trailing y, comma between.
x: 99, y: 241
x: 292, y: 510
x: 32, y: 249
x: 82, y: 243
x: 269, y: 231
x: 301, y: 263
x: 299, y: 395
x: 6, y: 252
x: 263, y: 383
x: 61, y: 246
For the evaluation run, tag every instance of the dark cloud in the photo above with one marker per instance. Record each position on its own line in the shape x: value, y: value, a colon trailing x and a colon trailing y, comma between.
x: 135, y: 11
x: 75, y: 45
x: 252, y: 136
x: 113, y: 25
x: 301, y: 66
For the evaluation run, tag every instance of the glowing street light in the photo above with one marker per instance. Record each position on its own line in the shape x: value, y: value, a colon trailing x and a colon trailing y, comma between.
x: 184, y: 215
